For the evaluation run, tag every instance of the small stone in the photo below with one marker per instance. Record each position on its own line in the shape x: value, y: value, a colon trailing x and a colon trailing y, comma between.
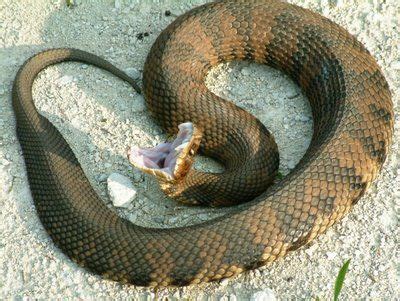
x: 395, y: 65
x: 330, y: 255
x: 224, y: 282
x: 133, y: 72
x: 257, y: 273
x: 65, y: 80
x: 388, y: 220
x: 84, y: 66
x: 203, y: 216
x: 120, y: 190
x: 76, y: 122
x: 246, y: 71
x: 293, y: 95
x: 340, y: 3
x: 174, y: 220
x: 265, y: 295
x: 291, y: 164
x: 102, y: 177
x: 4, y: 162
x: 159, y: 219
x: 117, y: 4
x: 309, y: 251
x: 302, y: 118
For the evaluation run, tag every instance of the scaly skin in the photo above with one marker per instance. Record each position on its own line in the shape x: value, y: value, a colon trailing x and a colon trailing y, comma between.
x: 353, y: 125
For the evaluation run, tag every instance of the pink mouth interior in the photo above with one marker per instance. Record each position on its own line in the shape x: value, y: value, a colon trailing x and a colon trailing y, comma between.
x: 163, y: 156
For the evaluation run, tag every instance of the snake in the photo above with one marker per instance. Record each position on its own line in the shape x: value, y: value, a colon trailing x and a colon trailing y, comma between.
x: 353, y: 122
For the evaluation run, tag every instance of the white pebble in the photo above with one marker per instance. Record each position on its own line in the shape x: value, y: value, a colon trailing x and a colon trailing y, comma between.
x: 388, y: 220
x: 120, y: 189
x: 203, y: 216
x: 4, y: 162
x: 246, y: 71
x: 310, y: 250
x: 330, y: 255
x: 65, y: 80
x: 302, y: 118
x: 102, y: 177
x: 291, y: 164
x: 224, y: 282
x: 133, y: 72
x: 265, y: 295
x: 395, y: 65
x: 339, y: 3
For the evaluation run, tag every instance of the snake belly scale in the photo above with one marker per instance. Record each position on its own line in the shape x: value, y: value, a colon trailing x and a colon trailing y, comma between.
x: 353, y: 125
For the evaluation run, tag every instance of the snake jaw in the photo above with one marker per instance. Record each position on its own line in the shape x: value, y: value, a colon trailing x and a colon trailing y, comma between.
x: 169, y: 162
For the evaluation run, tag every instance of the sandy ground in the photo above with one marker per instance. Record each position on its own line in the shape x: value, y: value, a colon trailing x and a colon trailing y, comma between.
x: 100, y: 116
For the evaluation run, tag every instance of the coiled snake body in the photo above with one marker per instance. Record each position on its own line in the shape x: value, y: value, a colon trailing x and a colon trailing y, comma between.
x: 353, y: 124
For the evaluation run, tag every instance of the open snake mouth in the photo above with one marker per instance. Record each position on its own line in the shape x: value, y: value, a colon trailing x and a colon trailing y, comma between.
x: 168, y: 161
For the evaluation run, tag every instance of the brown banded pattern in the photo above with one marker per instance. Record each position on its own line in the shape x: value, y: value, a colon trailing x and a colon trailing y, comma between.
x: 353, y: 118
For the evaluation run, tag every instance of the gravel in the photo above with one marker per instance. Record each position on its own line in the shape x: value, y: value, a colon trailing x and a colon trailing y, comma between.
x: 100, y: 116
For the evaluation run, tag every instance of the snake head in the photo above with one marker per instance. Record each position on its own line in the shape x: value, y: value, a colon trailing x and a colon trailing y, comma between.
x: 169, y: 162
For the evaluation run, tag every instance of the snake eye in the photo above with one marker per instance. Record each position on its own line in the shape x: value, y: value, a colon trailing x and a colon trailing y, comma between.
x: 169, y: 160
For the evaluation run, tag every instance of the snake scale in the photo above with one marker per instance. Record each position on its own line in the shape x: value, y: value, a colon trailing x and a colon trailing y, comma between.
x: 353, y: 125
